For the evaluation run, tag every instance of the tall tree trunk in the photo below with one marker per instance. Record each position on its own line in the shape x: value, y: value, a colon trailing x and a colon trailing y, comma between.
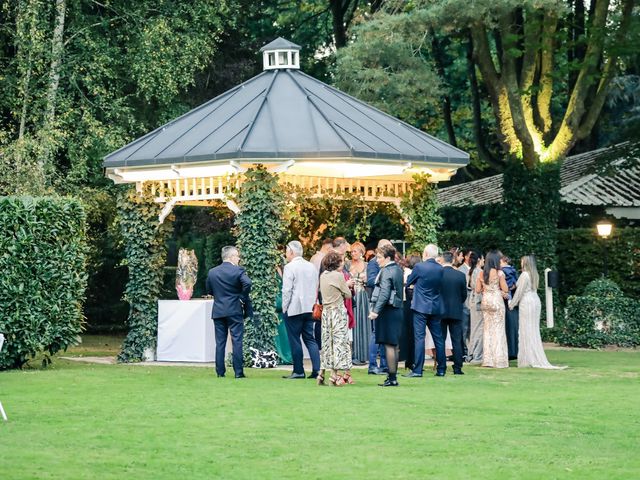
x: 342, y: 12
x: 438, y: 57
x: 478, y: 134
x: 56, y: 61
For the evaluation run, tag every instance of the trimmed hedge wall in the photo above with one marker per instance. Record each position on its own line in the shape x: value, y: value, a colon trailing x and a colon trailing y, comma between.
x: 481, y: 240
x: 42, y: 276
x: 581, y: 257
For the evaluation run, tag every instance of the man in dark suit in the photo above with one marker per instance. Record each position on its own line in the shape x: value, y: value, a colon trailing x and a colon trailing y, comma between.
x: 230, y: 287
x: 453, y: 290
x: 427, y: 308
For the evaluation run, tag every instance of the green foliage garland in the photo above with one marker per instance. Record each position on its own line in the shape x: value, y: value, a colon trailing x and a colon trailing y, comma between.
x: 531, y: 202
x: 42, y: 276
x: 145, y: 252
x: 260, y: 226
x: 421, y: 210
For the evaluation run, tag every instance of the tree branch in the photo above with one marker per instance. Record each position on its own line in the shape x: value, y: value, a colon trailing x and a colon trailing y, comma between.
x: 496, y: 88
x: 607, y: 75
x: 510, y: 78
x: 545, y: 92
x: 567, y: 134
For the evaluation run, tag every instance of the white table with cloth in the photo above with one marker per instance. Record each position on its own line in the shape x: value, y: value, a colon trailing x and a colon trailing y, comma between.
x: 185, y: 331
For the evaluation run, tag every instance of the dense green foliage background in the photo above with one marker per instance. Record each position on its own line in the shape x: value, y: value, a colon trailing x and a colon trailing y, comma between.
x: 42, y: 276
x: 80, y: 78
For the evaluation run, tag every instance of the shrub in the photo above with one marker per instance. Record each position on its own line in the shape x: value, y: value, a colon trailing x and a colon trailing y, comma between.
x: 42, y: 276
x: 602, y: 316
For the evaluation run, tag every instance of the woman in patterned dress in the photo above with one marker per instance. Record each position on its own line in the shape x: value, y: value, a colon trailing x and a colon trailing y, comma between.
x: 336, y: 350
x: 530, y: 351
x: 493, y: 287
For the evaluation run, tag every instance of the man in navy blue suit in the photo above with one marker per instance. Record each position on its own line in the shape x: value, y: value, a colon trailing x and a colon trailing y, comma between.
x: 427, y: 307
x: 453, y: 291
x: 230, y: 287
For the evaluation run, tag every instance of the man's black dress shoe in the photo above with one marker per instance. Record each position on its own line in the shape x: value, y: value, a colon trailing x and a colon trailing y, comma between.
x: 313, y: 375
x: 412, y: 375
x: 294, y: 376
x: 241, y: 375
x: 459, y: 373
x: 439, y: 374
x: 376, y: 371
x: 358, y: 362
x: 221, y: 376
x: 389, y: 383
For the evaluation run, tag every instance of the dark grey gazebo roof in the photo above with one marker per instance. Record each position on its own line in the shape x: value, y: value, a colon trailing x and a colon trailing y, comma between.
x: 280, y: 44
x: 284, y: 114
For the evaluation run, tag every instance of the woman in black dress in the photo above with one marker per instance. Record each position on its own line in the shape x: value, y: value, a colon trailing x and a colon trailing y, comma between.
x: 386, y: 309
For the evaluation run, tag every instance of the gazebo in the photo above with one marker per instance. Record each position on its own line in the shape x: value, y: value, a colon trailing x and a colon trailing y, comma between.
x: 296, y: 129
x: 313, y: 135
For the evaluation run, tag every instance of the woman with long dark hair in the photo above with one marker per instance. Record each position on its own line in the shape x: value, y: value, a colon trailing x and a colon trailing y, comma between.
x: 493, y: 287
x: 476, y: 323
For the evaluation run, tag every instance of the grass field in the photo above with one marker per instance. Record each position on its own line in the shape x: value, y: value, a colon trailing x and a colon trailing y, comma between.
x: 79, y: 421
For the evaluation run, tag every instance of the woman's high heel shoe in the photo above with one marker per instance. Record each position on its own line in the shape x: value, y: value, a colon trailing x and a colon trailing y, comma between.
x: 348, y: 378
x: 320, y: 379
x: 336, y: 381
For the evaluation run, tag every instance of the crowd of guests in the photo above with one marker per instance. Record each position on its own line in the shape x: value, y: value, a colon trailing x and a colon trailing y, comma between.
x: 379, y: 308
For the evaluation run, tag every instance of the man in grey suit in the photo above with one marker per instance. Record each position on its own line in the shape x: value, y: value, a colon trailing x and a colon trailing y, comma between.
x: 299, y: 293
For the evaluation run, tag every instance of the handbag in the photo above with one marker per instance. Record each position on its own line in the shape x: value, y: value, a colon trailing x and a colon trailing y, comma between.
x: 316, y: 313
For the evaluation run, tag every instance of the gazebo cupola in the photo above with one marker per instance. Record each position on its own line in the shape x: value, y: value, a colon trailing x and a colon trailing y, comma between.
x: 280, y: 53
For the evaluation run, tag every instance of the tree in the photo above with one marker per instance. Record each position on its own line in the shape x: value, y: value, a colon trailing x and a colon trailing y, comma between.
x: 519, y: 48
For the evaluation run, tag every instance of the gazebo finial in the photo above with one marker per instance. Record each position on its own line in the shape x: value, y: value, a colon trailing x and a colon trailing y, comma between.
x: 280, y: 53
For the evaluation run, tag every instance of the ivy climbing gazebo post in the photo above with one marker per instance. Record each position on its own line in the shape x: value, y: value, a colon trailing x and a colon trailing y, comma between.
x: 279, y: 127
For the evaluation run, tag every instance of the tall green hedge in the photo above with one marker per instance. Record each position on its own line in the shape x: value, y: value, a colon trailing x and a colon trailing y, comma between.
x: 481, y: 240
x: 530, y: 209
x: 581, y: 259
x: 42, y: 276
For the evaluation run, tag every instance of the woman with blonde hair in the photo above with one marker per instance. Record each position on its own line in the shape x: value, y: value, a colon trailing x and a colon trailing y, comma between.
x: 530, y: 351
x: 362, y: 330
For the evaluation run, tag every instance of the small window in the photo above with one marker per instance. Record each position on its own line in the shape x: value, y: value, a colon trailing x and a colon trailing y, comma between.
x: 282, y: 58
x: 293, y: 58
x: 272, y: 59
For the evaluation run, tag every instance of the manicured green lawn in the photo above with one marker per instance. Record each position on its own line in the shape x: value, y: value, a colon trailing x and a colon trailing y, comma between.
x: 75, y: 421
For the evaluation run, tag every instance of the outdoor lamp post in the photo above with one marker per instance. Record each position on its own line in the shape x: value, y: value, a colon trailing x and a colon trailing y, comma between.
x: 604, y: 228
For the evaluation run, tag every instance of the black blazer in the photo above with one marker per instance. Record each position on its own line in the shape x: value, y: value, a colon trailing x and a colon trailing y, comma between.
x: 230, y: 287
x: 453, y: 290
x: 389, y: 281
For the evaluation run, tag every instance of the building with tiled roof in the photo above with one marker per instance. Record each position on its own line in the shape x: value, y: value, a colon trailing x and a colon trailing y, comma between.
x: 581, y: 184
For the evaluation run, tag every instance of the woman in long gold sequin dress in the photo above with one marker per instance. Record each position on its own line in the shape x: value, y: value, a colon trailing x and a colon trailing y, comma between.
x: 493, y: 287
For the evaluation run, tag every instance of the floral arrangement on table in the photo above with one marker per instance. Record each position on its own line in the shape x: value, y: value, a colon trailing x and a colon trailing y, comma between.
x: 186, y: 273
